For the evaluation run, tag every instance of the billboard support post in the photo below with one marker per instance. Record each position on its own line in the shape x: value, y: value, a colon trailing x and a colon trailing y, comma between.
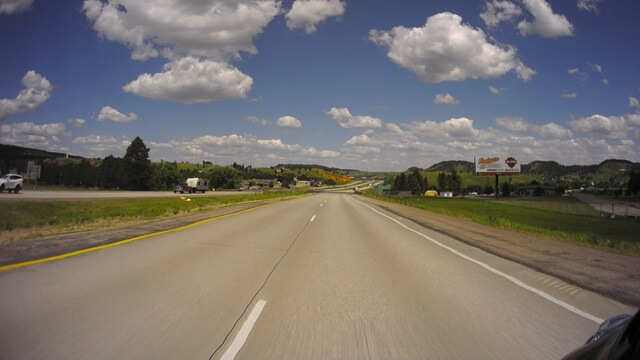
x: 497, y: 182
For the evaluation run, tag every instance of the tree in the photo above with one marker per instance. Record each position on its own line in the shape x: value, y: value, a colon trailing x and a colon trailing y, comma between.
x: 421, y: 187
x: 400, y: 183
x: 443, y: 181
x: 412, y: 184
x: 137, y: 166
x: 474, y: 188
x: 165, y: 175
x: 506, y: 189
x: 634, y: 183
x: 456, y: 182
x: 111, y: 173
x: 227, y: 177
x: 330, y: 182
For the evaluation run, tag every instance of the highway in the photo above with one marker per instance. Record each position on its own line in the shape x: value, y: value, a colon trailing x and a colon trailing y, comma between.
x: 605, y: 205
x: 326, y: 276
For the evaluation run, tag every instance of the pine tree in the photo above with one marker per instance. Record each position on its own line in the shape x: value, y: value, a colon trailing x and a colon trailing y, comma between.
x: 137, y: 166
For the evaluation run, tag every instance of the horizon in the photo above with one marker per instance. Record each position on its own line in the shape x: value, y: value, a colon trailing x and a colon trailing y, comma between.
x: 371, y: 85
x: 331, y: 167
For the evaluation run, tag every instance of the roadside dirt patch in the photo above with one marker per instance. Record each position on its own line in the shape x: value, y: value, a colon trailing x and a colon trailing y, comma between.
x: 613, y: 275
x: 33, y: 249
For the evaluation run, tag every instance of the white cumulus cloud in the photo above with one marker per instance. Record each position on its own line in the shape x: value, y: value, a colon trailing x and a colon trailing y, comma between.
x: 306, y: 14
x: 512, y: 123
x: 199, y: 38
x: 246, y: 148
x: 257, y: 120
x: 498, y: 11
x: 570, y: 95
x: 452, y: 128
x: 189, y: 80
x: 634, y: 103
x: 445, y: 49
x: 76, y: 122
x: 288, y: 121
x: 588, y: 5
x: 610, y: 127
x: 176, y: 28
x: 110, y: 114
x: 37, y: 90
x: 545, y: 23
x: 30, y: 134
x: 518, y: 124
x: 393, y: 128
x: 496, y: 91
x: 101, y: 145
x: 552, y: 131
x: 445, y: 99
x: 15, y: 6
x: 344, y: 119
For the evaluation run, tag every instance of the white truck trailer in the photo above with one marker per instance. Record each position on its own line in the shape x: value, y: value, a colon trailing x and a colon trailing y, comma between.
x: 197, y: 184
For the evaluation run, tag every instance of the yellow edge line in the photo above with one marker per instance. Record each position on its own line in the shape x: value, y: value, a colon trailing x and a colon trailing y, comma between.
x: 84, y: 251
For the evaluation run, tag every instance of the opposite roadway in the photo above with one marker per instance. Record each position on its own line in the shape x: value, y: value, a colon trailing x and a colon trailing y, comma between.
x: 321, y: 277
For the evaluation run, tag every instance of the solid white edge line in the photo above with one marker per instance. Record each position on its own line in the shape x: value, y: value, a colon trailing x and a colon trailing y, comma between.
x: 243, y: 334
x: 313, y: 218
x: 495, y: 271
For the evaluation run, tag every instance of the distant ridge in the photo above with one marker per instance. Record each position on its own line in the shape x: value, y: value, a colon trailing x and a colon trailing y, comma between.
x: 313, y: 166
x: 449, y: 165
x: 12, y: 152
x: 611, y: 173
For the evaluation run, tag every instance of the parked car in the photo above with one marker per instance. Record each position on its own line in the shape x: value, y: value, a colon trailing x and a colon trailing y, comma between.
x: 11, y: 182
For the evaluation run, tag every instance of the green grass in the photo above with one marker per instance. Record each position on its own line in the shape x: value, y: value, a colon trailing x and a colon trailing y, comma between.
x: 40, y: 214
x: 561, y: 204
x: 616, y: 235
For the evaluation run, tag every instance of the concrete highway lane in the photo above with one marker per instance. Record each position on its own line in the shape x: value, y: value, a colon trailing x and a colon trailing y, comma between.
x: 325, y: 276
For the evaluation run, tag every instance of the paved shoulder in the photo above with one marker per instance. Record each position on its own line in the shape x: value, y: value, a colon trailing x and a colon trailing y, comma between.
x: 614, y: 275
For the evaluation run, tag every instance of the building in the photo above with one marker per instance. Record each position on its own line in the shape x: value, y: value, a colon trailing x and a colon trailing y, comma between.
x: 534, y: 190
x: 260, y: 183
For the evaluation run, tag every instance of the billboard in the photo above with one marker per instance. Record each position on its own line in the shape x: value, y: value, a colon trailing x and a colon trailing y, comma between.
x: 497, y: 166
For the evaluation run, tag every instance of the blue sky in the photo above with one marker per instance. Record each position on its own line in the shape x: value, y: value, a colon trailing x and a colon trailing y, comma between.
x: 372, y: 85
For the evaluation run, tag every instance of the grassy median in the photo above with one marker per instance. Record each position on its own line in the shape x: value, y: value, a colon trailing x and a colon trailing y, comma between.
x: 26, y: 219
x: 617, y: 235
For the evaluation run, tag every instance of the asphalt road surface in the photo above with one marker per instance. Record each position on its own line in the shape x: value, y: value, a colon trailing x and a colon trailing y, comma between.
x: 61, y: 195
x: 608, y: 206
x: 320, y: 277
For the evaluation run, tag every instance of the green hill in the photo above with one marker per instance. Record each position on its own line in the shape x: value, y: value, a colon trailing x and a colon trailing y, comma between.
x: 460, y: 166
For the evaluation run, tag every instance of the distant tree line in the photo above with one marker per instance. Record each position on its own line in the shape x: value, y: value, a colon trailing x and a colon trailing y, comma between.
x: 634, y: 183
x: 414, y: 182
x: 135, y: 171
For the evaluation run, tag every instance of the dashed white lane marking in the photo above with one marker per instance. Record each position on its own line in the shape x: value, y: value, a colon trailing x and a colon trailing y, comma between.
x: 497, y: 272
x: 243, y: 334
x: 313, y: 218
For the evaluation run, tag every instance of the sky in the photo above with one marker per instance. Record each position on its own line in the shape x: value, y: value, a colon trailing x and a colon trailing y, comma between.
x: 375, y: 85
